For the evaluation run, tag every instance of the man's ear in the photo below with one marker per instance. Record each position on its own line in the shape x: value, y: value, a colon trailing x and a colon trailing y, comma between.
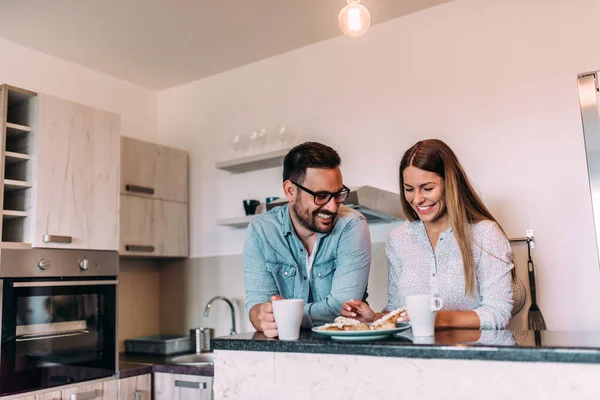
x: 289, y: 189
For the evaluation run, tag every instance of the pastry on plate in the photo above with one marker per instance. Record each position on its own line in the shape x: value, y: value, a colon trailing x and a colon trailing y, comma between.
x: 345, y: 324
x: 388, y: 321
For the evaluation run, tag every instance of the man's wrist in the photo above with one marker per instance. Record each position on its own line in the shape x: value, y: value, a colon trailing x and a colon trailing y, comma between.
x: 253, y: 314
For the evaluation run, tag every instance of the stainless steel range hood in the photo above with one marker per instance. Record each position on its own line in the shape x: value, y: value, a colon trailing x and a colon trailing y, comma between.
x: 377, y: 205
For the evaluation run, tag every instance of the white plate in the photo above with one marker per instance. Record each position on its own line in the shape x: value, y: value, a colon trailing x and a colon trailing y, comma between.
x: 362, y: 335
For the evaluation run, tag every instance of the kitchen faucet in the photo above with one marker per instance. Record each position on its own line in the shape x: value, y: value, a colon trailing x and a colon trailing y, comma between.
x: 225, y: 299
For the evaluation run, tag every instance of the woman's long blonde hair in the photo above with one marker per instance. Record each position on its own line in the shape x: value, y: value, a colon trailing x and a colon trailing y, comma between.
x: 462, y: 202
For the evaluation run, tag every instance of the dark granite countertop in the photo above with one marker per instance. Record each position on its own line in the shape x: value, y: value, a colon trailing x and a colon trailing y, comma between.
x: 500, y: 345
x: 140, y: 364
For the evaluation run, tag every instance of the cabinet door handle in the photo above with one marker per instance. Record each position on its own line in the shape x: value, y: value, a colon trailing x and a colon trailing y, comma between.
x: 139, y: 189
x: 85, y: 396
x: 190, y: 385
x: 139, y: 395
x: 139, y: 248
x: 57, y: 239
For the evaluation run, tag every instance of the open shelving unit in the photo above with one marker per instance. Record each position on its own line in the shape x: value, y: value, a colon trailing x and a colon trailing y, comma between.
x: 18, y: 109
x: 240, y: 165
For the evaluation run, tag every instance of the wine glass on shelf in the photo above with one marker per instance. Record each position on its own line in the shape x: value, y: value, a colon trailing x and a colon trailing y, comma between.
x: 282, y: 134
x: 236, y: 143
x: 253, y: 139
x: 261, y: 137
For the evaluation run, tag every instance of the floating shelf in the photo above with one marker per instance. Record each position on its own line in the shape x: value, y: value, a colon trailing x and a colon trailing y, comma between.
x: 13, y: 157
x: 10, y: 185
x: 237, y: 222
x: 251, y: 163
x: 10, y: 214
x: 14, y: 245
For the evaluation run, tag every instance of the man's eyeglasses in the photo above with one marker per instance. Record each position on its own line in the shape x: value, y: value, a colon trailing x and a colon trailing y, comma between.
x: 322, y: 198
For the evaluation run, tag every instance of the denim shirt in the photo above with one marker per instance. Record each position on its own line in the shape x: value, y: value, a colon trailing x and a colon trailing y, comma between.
x: 275, y: 263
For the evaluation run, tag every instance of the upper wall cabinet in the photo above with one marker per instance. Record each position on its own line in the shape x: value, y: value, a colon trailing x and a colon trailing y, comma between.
x: 154, y: 200
x: 77, y: 176
x: 154, y: 171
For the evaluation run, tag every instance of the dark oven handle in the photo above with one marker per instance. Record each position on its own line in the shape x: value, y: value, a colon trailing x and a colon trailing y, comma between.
x: 64, y: 283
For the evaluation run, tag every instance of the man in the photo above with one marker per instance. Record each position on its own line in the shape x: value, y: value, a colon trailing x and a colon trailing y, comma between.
x: 313, y: 248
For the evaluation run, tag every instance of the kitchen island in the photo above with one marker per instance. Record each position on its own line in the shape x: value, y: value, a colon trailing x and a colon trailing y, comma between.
x: 455, y: 364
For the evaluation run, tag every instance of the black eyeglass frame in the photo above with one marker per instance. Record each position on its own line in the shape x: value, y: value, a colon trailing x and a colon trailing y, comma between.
x: 329, y: 194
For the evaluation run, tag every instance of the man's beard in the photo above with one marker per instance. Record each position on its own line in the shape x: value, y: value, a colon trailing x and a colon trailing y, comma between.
x: 309, y: 221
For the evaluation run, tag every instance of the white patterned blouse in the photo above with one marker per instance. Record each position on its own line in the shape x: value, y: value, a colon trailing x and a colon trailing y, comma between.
x: 415, y: 268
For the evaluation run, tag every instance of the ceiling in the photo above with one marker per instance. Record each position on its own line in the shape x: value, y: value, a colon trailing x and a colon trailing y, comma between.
x: 164, y: 43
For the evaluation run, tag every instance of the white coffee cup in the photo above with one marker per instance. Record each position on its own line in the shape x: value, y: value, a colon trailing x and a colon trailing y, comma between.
x: 421, y: 311
x: 288, y: 317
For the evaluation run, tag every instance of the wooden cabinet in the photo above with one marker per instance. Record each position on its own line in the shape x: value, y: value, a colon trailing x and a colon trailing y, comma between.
x: 154, y: 171
x: 50, y: 396
x: 136, y: 388
x: 153, y: 227
x: 154, y: 200
x: 77, y: 176
x: 182, y: 387
x: 108, y: 390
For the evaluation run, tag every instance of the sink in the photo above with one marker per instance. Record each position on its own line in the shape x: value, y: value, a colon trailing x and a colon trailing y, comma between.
x: 202, y: 359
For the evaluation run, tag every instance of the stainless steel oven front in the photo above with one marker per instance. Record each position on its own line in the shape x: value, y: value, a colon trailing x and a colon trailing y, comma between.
x: 58, y: 317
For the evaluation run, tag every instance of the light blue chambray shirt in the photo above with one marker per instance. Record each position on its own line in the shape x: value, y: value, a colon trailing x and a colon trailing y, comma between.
x: 275, y: 263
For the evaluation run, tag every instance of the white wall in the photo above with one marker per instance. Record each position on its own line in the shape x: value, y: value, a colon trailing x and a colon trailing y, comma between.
x: 496, y: 79
x: 33, y: 70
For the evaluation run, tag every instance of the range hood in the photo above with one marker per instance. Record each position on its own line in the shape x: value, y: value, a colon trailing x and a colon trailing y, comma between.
x: 377, y: 205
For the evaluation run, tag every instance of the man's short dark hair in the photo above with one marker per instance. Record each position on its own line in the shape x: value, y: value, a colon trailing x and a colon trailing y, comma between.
x: 308, y: 155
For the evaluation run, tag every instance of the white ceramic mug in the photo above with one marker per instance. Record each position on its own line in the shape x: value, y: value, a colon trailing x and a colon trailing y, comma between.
x: 421, y: 310
x: 288, y: 317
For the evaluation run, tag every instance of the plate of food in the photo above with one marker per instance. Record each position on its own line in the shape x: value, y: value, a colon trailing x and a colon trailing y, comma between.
x: 350, y: 329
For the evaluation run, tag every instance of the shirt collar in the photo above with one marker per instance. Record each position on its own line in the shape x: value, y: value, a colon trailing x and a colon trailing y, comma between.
x: 417, y: 227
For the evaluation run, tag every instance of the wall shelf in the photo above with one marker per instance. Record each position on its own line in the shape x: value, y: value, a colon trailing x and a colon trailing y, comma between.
x: 237, y: 222
x: 252, y: 163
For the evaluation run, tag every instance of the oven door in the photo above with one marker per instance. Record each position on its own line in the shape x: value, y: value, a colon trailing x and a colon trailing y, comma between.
x: 56, y: 332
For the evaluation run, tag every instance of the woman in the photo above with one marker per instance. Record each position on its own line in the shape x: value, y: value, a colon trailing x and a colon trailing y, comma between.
x: 451, y: 246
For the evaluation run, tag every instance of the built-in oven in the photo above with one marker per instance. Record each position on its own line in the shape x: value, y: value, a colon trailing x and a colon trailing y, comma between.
x: 58, y: 317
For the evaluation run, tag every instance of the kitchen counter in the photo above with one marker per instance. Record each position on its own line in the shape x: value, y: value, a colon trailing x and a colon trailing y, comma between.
x: 499, y: 345
x: 455, y: 364
x: 140, y: 364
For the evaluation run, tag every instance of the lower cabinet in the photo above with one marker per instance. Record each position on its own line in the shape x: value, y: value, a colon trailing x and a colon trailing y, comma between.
x: 136, y: 388
x: 49, y: 396
x: 108, y: 390
x: 166, y: 387
x: 182, y: 387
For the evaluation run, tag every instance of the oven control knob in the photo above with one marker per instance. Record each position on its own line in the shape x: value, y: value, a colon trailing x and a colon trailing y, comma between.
x: 44, y: 264
x: 83, y: 264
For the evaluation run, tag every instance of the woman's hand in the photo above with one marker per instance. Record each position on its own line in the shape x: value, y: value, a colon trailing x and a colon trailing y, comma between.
x: 358, y: 310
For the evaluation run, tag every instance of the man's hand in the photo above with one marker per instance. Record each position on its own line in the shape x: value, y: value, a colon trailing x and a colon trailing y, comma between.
x: 261, y: 316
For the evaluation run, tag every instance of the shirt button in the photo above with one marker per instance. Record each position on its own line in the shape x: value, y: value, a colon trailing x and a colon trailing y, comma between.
x: 319, y: 274
x: 304, y: 278
x: 285, y: 273
x: 302, y: 250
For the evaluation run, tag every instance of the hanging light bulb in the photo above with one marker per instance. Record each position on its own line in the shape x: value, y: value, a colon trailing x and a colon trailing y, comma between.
x: 354, y: 19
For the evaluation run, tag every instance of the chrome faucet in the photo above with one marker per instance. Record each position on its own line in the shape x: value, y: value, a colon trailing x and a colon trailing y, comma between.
x: 225, y: 299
